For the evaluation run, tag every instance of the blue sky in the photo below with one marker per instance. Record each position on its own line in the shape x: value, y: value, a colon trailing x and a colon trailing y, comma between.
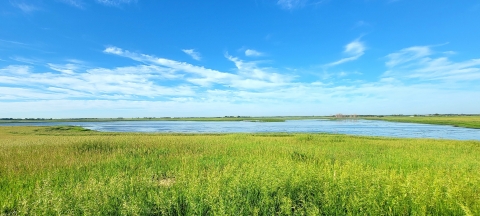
x: 137, y: 58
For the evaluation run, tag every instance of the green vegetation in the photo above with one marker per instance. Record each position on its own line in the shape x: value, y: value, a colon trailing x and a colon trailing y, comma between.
x: 225, y: 118
x: 69, y: 171
x: 457, y: 121
x: 230, y: 118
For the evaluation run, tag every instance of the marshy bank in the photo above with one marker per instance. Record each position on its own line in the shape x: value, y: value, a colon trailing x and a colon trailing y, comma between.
x: 68, y: 170
x: 352, y: 127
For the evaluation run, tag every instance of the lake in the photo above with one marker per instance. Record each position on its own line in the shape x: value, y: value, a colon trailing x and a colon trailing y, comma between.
x: 357, y: 127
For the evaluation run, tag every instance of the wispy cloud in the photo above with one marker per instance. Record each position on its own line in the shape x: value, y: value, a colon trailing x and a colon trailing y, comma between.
x: 25, y: 7
x: 115, y: 2
x: 155, y: 85
x: 64, y: 68
x: 418, y: 62
x: 192, y: 53
x: 248, y: 76
x: 251, y: 69
x: 353, y: 50
x: 17, y: 45
x: 301, y: 99
x: 12, y: 42
x: 31, y: 61
x: 450, y: 52
x: 154, y: 78
x: 361, y: 24
x: 201, y: 75
x: 291, y: 4
x: 94, y: 83
x: 253, y: 53
x: 407, y: 54
x: 74, y: 3
x: 294, y: 4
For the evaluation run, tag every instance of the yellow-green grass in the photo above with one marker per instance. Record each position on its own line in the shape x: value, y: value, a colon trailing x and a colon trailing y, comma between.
x: 457, y: 121
x: 69, y: 171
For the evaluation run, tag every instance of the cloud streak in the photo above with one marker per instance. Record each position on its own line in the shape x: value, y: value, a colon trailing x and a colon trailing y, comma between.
x: 74, y: 3
x: 160, y: 85
x: 115, y: 2
x: 291, y: 4
x: 13, y: 42
x: 123, y: 82
x: 248, y: 76
x: 192, y: 53
x: 294, y: 4
x: 353, y: 51
x: 25, y: 7
x: 407, y: 54
x: 154, y: 78
x: 253, y: 53
x: 418, y: 62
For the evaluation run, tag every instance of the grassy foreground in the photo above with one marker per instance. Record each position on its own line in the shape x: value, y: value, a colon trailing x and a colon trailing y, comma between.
x: 457, y: 121
x: 70, y: 171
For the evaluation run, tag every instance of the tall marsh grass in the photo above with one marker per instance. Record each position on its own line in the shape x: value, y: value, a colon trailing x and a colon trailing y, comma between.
x: 456, y: 121
x: 75, y: 172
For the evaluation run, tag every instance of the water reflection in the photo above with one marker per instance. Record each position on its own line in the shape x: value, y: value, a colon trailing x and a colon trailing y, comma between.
x: 359, y: 127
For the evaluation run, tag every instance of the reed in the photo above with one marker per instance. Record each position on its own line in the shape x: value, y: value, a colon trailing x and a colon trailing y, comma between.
x: 49, y: 171
x: 456, y: 121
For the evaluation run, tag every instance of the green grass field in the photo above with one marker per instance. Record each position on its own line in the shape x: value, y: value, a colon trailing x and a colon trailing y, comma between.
x: 72, y: 171
x: 457, y: 121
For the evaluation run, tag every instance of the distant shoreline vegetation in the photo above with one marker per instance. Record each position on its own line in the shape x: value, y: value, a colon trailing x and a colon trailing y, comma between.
x: 466, y: 121
x: 457, y: 120
x: 225, y: 118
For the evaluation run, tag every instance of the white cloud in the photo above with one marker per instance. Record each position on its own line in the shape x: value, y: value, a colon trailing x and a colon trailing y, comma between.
x: 207, y: 77
x: 130, y: 82
x: 291, y: 4
x: 342, y: 74
x: 300, y: 99
x: 253, y: 53
x: 26, y: 8
x: 31, y: 61
x: 252, y: 70
x: 192, y: 53
x: 66, y: 68
x: 113, y: 50
x: 16, y: 93
x: 361, y: 23
x: 74, y: 3
x: 152, y: 79
x: 407, y: 54
x: 15, y: 70
x: 156, y: 85
x: 417, y: 63
x: 450, y: 52
x: 353, y: 50
x: 12, y: 42
x: 115, y: 2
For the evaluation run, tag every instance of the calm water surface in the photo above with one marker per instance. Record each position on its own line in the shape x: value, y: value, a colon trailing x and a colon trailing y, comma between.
x: 359, y: 127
